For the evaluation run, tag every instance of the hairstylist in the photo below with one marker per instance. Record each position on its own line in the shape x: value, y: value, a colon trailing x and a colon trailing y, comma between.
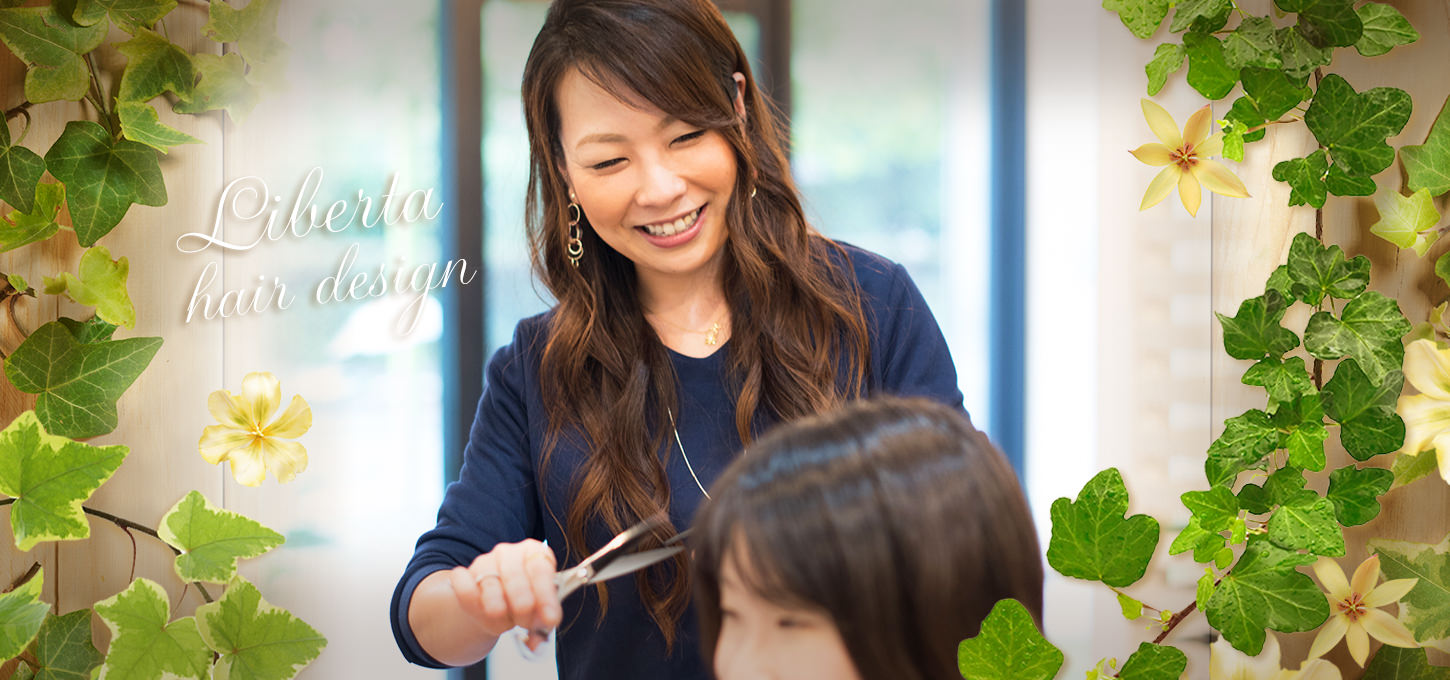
x: 695, y: 308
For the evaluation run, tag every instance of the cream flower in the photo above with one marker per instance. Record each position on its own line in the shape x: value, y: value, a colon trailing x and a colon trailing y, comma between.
x: 1427, y: 414
x: 1186, y: 156
x: 244, y: 438
x: 1353, y: 613
x: 1227, y: 663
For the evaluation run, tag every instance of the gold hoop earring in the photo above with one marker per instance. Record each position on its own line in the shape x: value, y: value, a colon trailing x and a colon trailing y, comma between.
x: 576, y: 246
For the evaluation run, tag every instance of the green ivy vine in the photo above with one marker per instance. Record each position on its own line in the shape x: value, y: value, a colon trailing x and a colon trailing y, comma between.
x: 101, y: 166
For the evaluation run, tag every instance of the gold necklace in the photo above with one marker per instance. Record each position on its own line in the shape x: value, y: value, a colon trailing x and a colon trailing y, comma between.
x: 686, y: 455
x: 712, y: 334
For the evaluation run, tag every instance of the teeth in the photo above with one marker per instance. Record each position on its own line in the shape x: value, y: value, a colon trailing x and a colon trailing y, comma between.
x: 672, y: 228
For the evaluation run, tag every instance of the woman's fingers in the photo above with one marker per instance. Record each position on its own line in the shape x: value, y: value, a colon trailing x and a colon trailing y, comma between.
x: 539, y: 566
x: 512, y: 585
x: 516, y: 585
x: 466, y: 590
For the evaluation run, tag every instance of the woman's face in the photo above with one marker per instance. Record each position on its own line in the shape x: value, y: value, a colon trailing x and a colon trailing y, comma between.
x: 761, y: 639
x: 654, y: 188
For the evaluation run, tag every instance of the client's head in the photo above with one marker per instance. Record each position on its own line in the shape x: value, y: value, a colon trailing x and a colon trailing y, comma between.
x: 865, y: 543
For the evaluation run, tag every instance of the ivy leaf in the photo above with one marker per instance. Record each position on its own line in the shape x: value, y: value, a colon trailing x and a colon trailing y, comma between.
x: 102, y: 285
x: 1264, y: 590
x: 20, y: 171
x: 1142, y: 17
x: 1317, y: 270
x: 223, y: 85
x: 64, y: 647
x: 1233, y: 141
x: 1355, y: 493
x: 1274, y: 92
x: 1132, y: 609
x: 1254, y: 332
x: 1303, y: 426
x: 1253, y: 43
x: 1154, y: 662
x: 51, y: 48
x: 144, y: 646
x: 1425, y: 610
x: 1409, y: 468
x: 1009, y: 647
x: 78, y: 384
x: 80, y: 12
x: 1193, y: 537
x: 1246, y: 441
x: 256, y: 640
x: 25, y: 228
x: 1354, y: 126
x: 1305, y: 177
x: 1214, y: 509
x: 1368, y: 331
x: 153, y: 66
x: 1330, y: 23
x: 1308, y: 524
x: 90, y: 331
x: 1342, y: 183
x: 1208, y: 70
x: 1284, y: 380
x: 103, y: 177
x: 1167, y: 59
x: 211, y: 539
x: 1365, y: 411
x: 1384, y: 28
x: 1280, y: 281
x: 1244, y: 112
x: 21, y: 616
x: 1203, y: 16
x: 50, y: 477
x: 1395, y: 663
x: 130, y: 15
x: 1091, y: 540
x: 254, y: 29
x: 1299, y: 55
x: 140, y: 123
x: 1427, y: 166
x: 1402, y: 218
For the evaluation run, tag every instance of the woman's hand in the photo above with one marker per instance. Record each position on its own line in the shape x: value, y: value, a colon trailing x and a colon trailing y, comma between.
x: 511, y: 585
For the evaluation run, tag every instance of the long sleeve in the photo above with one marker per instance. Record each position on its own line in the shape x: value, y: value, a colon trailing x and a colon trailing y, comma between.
x: 910, y: 353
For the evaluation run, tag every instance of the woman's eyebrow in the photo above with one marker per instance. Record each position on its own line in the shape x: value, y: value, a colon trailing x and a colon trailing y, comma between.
x: 616, y: 138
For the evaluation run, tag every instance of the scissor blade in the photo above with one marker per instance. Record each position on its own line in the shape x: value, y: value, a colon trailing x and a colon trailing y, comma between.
x: 628, y: 564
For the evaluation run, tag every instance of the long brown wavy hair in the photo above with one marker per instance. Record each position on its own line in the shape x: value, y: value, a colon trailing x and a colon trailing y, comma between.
x: 798, y: 333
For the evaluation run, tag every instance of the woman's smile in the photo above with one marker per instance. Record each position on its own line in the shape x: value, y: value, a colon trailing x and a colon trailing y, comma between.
x: 671, y: 233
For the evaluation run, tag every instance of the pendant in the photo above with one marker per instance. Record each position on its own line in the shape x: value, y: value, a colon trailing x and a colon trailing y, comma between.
x: 712, y: 334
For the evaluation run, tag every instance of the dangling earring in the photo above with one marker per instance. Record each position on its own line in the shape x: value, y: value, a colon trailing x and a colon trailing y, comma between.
x: 576, y: 246
x: 752, y: 191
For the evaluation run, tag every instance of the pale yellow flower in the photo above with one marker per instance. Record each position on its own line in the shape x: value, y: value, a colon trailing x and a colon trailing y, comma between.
x: 1427, y: 414
x: 1353, y: 609
x: 1186, y: 156
x: 244, y: 437
x: 1227, y: 663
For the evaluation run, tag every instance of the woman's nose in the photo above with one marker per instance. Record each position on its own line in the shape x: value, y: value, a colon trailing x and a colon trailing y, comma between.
x: 660, y: 185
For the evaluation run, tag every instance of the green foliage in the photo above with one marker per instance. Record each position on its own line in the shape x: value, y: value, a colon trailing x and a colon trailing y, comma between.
x: 1233, y: 141
x: 1265, y: 590
x: 64, y: 648
x: 141, y: 123
x: 77, y: 384
x: 1167, y: 59
x: 1317, y: 271
x: 1255, y: 333
x: 1396, y: 663
x: 1341, y: 183
x: 1245, y: 113
x: 1305, y: 177
x: 1092, y: 540
x: 39, y: 224
x: 254, y: 29
x: 145, y: 643
x: 1355, y: 493
x: 255, y: 640
x: 1409, y: 467
x: 21, y: 616
x: 1308, y: 523
x: 1425, y: 610
x: 1406, y: 221
x: 154, y: 66
x: 1384, y: 28
x: 103, y: 177
x: 1330, y: 23
x: 1253, y: 43
x: 20, y: 171
x: 90, y: 331
x: 1285, y: 380
x: 1208, y: 69
x: 1214, y: 509
x: 102, y: 285
x: 1427, y: 166
x: 1365, y: 411
x: 51, y: 47
x: 1009, y: 647
x: 1154, y: 662
x: 212, y: 539
x: 1132, y: 609
x: 1273, y: 92
x: 1353, y: 126
x: 1368, y: 331
x: 223, y: 85
x: 50, y: 477
x: 1247, y: 440
x: 1302, y: 432
x: 130, y: 15
x: 1203, y: 16
x: 1142, y: 17
x: 1205, y: 545
x: 1300, y: 56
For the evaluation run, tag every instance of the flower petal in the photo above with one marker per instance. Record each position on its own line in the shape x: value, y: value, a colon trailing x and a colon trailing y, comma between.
x: 1331, y: 578
x: 1213, y: 146
x: 1153, y: 153
x: 1161, y: 186
x: 1329, y: 635
x: 1318, y: 669
x: 284, y: 458
x: 219, y: 440
x: 1219, y: 179
x: 1425, y: 419
x: 294, y: 422
x: 1358, y: 643
x: 1266, y: 664
x: 1198, y: 126
x: 261, y: 393
x: 1387, y: 629
x: 1189, y: 193
x: 1442, y: 459
x: 1427, y: 367
x: 1366, y: 575
x: 1162, y: 125
x: 224, y: 408
x: 248, y: 466
x: 1389, y: 591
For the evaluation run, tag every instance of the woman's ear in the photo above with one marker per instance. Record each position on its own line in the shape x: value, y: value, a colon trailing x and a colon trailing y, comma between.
x: 739, y: 94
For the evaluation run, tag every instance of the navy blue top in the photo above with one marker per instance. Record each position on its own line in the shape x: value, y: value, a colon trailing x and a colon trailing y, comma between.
x: 498, y: 497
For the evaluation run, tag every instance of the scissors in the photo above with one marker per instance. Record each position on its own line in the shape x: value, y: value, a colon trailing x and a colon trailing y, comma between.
x: 618, y: 558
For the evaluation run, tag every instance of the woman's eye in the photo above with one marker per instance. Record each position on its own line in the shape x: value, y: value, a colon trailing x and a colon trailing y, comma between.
x: 790, y: 622
x: 607, y: 164
x: 691, y: 136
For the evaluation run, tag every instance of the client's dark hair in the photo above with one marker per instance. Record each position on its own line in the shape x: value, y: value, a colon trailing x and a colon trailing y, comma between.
x: 895, y: 517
